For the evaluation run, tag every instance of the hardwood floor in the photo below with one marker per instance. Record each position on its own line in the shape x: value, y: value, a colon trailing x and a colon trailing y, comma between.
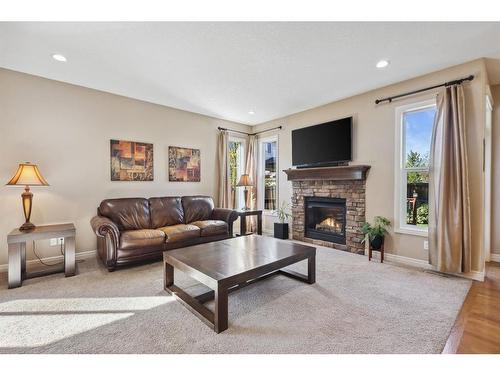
x: 477, y: 328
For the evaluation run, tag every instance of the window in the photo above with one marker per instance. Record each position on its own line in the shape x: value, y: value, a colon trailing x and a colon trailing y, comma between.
x: 236, y: 158
x: 268, y: 176
x: 414, y: 124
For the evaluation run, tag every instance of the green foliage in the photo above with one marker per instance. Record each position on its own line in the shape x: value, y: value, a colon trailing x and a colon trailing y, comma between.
x: 379, y: 227
x: 423, y: 214
x: 283, y: 212
x: 414, y: 160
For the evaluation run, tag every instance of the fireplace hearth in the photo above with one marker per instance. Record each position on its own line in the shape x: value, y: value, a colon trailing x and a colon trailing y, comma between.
x: 325, y: 219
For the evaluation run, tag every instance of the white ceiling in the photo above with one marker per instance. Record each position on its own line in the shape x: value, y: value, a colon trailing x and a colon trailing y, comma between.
x: 227, y: 69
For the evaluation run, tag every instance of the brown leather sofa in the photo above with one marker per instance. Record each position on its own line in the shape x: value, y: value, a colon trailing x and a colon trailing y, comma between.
x: 138, y: 229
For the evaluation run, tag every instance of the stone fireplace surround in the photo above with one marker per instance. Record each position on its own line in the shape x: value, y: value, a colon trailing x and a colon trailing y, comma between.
x: 346, y: 182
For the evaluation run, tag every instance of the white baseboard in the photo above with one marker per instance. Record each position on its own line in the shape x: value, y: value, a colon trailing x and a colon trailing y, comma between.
x: 474, y: 275
x: 418, y: 263
x: 80, y: 255
x: 393, y: 258
x: 494, y: 257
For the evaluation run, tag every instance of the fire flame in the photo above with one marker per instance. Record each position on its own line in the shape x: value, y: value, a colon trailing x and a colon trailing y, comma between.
x: 331, y: 222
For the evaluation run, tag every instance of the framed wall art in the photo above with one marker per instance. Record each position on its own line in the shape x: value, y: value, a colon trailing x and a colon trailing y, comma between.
x: 183, y: 164
x: 131, y: 161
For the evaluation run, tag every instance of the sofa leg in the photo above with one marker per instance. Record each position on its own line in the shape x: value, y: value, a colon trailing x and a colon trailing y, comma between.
x: 111, y: 266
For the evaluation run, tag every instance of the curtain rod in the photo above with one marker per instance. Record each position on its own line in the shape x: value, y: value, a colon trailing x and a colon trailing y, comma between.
x: 262, y: 131
x: 446, y: 84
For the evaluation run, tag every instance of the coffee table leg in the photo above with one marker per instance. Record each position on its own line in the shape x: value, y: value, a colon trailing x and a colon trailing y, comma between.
x: 311, y: 269
x: 220, y: 315
x: 168, y: 280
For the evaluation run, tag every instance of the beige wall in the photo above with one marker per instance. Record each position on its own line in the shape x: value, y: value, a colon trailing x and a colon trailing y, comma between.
x: 66, y: 129
x: 374, y: 140
x: 495, y: 188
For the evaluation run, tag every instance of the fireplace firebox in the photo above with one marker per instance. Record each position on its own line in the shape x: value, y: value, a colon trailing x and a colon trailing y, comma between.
x: 325, y: 219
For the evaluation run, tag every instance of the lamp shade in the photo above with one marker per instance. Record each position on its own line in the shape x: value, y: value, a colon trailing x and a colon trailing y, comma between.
x: 244, y: 181
x: 29, y: 175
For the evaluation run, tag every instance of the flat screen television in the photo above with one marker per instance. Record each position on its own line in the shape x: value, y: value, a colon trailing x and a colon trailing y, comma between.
x: 323, y: 144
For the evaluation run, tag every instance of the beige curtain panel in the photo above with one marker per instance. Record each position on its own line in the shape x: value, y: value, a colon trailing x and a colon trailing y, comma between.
x: 224, y: 191
x: 449, y: 206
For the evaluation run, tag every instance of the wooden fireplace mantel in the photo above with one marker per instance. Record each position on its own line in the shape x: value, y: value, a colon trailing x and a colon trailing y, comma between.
x: 348, y: 172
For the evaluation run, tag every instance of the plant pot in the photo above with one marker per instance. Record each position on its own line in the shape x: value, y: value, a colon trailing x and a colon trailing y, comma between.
x: 281, y: 230
x: 377, y: 242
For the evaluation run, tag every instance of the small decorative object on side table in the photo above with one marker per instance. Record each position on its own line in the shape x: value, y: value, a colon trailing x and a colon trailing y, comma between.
x: 243, y: 222
x: 17, y: 239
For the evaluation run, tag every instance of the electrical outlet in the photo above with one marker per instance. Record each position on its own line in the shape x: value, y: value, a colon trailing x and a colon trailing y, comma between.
x: 57, y: 241
x: 426, y: 245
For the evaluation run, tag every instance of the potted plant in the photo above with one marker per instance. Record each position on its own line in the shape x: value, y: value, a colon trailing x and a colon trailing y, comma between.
x: 281, y: 228
x: 376, y: 231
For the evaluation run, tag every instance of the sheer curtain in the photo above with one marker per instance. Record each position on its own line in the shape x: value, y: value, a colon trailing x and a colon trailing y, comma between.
x: 449, y: 206
x: 224, y: 185
x: 251, y: 170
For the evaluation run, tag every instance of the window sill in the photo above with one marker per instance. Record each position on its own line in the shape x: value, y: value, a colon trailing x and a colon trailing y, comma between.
x: 269, y: 213
x: 412, y: 232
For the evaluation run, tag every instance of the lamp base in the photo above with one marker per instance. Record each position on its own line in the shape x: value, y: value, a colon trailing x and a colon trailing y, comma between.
x: 26, y: 227
x: 245, y: 193
x: 27, y: 198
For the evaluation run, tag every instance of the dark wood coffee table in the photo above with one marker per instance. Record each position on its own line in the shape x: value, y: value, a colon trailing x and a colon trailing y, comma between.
x: 231, y: 264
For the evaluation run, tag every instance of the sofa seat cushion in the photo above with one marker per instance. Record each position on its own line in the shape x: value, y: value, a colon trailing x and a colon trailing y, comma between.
x: 180, y: 232
x: 211, y: 227
x: 133, y: 239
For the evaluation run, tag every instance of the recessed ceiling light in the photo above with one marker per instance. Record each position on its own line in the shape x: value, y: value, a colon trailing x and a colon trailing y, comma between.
x: 251, y: 112
x: 59, y: 57
x: 383, y: 64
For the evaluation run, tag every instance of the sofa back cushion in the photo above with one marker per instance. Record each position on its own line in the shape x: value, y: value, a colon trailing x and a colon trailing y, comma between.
x: 197, y: 208
x: 166, y: 211
x: 127, y: 213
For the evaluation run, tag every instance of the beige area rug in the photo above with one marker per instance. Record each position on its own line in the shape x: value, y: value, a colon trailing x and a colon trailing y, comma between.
x: 354, y: 307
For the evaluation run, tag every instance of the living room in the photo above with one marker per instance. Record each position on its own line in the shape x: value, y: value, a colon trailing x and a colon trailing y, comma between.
x: 230, y: 188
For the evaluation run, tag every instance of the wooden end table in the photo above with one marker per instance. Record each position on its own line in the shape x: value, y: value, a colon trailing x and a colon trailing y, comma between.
x: 16, y: 241
x: 243, y: 222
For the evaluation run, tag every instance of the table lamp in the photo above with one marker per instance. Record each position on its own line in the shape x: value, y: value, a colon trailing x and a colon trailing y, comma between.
x: 27, y: 174
x: 245, y: 182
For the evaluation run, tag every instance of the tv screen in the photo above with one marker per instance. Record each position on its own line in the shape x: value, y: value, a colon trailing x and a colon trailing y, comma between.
x: 322, y: 144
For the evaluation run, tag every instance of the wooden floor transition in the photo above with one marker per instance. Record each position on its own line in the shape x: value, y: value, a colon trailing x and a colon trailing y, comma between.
x: 477, y: 328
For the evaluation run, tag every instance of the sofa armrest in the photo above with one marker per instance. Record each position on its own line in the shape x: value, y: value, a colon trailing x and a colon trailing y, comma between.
x: 224, y: 214
x: 109, y: 233
x: 102, y: 226
x: 227, y: 215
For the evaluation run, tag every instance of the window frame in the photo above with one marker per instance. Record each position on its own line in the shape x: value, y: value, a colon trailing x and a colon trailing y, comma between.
x: 238, y: 192
x: 260, y: 174
x: 400, y: 185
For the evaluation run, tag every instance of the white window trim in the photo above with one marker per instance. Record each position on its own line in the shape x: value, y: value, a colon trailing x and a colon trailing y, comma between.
x: 260, y: 175
x: 400, y: 225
